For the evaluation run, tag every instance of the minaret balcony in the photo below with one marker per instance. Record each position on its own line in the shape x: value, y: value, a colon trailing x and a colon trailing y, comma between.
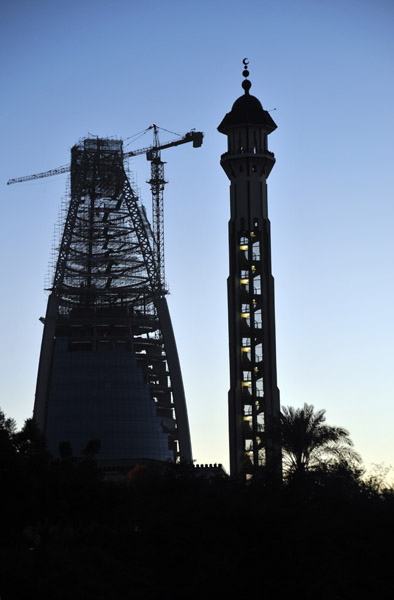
x: 247, y: 153
x: 239, y: 162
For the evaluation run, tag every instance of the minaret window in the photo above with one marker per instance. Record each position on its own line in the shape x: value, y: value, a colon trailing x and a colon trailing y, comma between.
x: 258, y: 352
x: 246, y: 353
x: 247, y: 429
x: 246, y: 347
x: 248, y: 410
x: 244, y: 280
x: 257, y: 285
x: 258, y: 321
x: 246, y: 320
x: 259, y: 388
x: 261, y: 458
x: 246, y: 385
x: 256, y: 251
x: 243, y: 243
x: 249, y: 448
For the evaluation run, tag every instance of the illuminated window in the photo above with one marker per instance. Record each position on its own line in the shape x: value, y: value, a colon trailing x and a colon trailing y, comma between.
x: 246, y: 348
x: 244, y: 243
x: 245, y: 312
x: 248, y: 410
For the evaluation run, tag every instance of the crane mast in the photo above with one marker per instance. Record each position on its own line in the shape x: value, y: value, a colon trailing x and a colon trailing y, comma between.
x: 157, y: 183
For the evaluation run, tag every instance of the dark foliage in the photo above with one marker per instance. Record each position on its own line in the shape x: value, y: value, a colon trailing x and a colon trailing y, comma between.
x: 309, y: 443
x: 164, y: 533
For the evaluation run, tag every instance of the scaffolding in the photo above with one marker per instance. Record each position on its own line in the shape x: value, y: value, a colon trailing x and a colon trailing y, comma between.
x: 107, y: 294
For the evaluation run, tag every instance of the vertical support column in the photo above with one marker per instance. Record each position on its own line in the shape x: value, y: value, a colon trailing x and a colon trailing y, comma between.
x: 185, y: 447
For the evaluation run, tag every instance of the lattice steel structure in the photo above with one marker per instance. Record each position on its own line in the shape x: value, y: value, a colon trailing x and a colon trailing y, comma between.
x: 157, y: 183
x: 109, y: 367
x: 254, y: 394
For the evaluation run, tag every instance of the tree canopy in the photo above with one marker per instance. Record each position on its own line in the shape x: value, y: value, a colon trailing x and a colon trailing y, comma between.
x: 308, y: 442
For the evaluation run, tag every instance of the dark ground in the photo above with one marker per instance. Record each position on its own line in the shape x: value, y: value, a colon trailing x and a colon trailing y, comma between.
x: 164, y: 533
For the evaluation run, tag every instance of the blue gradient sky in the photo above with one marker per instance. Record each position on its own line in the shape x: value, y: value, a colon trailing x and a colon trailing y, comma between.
x: 113, y: 68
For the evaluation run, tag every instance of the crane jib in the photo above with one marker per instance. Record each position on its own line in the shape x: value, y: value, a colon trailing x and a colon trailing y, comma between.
x: 191, y: 136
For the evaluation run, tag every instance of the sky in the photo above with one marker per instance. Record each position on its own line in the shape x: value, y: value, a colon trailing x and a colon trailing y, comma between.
x: 325, y: 70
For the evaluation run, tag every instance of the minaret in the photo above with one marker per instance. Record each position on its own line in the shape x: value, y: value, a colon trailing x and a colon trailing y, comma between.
x: 254, y: 395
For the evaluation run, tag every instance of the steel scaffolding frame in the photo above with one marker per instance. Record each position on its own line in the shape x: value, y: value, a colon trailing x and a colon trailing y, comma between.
x: 107, y: 291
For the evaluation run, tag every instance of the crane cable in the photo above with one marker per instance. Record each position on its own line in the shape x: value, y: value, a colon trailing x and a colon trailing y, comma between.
x: 169, y: 131
x: 137, y: 136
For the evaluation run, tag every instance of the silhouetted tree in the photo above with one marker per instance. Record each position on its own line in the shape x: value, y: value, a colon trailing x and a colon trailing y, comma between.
x: 65, y: 450
x: 7, y: 441
x: 31, y: 443
x: 7, y: 425
x: 308, y: 442
x: 92, y: 448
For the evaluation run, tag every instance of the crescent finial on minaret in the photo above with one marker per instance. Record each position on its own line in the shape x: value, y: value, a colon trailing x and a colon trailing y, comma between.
x: 246, y: 84
x: 245, y: 72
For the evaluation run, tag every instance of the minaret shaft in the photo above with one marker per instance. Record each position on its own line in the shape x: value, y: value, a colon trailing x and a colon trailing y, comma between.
x: 253, y: 394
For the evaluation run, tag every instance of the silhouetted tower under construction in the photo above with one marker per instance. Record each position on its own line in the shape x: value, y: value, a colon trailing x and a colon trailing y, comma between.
x: 253, y: 395
x: 109, y: 367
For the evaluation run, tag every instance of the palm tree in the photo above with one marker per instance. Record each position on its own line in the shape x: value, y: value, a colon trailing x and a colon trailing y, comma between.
x: 307, y: 441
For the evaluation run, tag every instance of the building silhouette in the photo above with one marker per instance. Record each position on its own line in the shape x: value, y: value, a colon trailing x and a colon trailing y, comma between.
x: 254, y: 395
x: 109, y: 367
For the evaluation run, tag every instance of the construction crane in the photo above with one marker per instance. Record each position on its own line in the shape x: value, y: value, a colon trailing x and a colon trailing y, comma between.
x: 157, y: 183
